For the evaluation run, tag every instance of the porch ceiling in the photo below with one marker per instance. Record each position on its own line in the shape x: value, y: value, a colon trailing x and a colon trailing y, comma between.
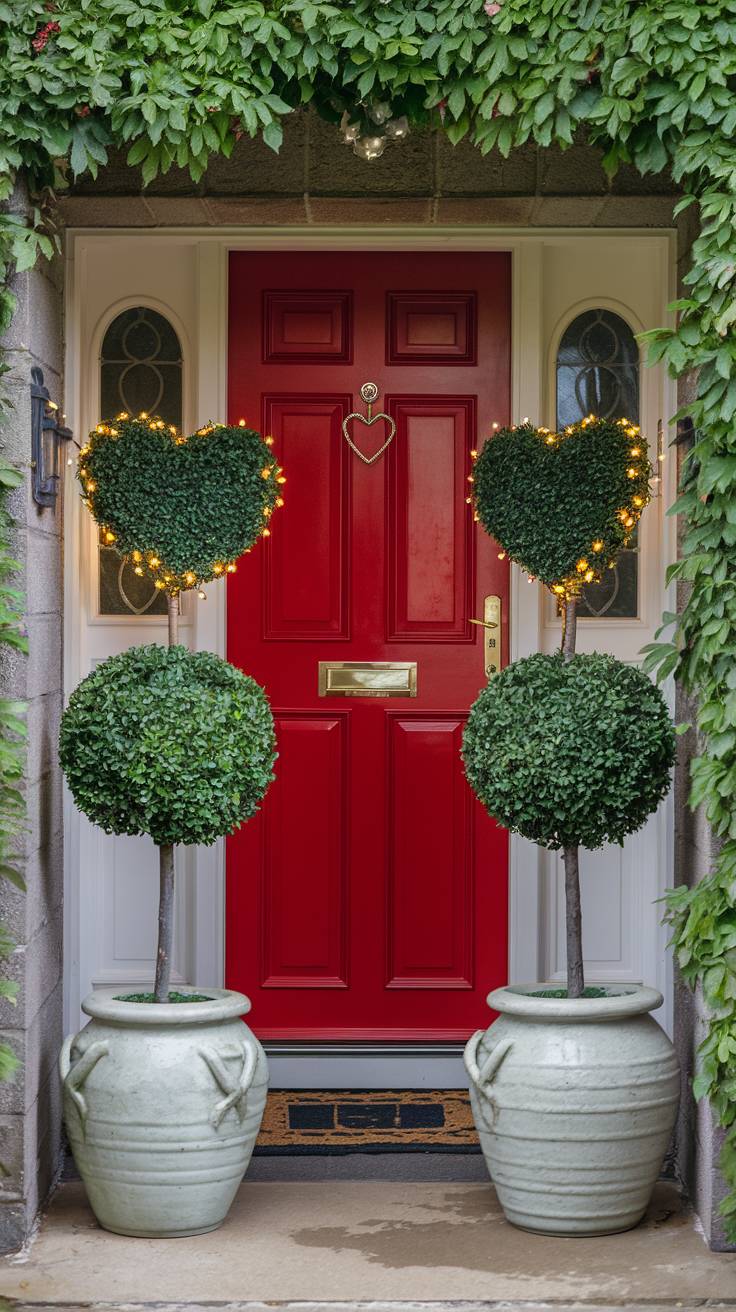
x: 317, y: 179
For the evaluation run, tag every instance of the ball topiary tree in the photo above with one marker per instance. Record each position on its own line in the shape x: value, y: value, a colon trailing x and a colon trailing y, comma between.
x: 176, y: 744
x: 569, y: 750
x: 570, y: 753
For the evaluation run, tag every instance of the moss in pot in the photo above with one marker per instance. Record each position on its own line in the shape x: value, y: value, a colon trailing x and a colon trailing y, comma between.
x: 574, y: 1089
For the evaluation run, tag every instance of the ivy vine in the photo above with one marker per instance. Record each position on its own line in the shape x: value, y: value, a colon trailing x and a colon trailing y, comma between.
x: 12, y: 735
x: 653, y: 82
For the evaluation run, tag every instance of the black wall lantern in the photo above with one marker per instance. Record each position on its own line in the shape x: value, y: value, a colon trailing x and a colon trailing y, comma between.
x: 47, y: 435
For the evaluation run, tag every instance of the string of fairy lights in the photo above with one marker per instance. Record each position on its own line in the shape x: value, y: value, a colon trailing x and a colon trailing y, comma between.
x: 591, y: 567
x: 149, y: 563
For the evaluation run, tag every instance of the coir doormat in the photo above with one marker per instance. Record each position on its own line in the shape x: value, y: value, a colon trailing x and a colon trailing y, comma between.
x: 360, y: 1120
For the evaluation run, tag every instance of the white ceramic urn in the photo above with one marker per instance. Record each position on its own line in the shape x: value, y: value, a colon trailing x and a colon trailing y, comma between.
x: 574, y: 1101
x: 162, y: 1104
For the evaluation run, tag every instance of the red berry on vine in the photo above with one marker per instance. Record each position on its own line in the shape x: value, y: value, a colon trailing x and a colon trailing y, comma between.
x: 41, y: 39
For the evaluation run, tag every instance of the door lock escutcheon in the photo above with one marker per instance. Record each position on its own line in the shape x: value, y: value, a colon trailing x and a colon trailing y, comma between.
x: 491, y: 625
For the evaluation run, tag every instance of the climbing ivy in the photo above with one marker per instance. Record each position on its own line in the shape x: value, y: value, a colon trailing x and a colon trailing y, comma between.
x: 702, y: 648
x: 177, y: 82
x: 12, y: 733
x: 651, y: 81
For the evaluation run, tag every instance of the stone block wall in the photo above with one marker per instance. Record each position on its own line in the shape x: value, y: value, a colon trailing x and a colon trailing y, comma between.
x: 30, y: 1103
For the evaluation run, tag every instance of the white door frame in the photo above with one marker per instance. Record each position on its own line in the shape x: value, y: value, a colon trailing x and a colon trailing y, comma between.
x: 205, y: 398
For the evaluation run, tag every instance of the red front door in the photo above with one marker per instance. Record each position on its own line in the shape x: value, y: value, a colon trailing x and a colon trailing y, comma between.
x: 368, y: 899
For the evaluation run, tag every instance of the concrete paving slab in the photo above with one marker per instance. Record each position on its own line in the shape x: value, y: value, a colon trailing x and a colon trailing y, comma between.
x: 367, y: 1242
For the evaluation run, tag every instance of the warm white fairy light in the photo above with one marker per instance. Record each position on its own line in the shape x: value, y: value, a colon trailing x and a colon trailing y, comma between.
x: 151, y: 563
x: 585, y: 570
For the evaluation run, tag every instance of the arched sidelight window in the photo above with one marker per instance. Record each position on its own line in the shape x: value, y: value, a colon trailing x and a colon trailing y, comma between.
x: 140, y: 369
x: 597, y: 372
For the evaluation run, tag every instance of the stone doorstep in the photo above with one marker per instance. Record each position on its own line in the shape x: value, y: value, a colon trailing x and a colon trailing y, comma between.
x: 367, y: 1246
x: 488, y: 1305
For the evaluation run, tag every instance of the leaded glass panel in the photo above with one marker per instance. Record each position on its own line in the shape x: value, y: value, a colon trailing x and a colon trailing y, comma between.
x: 140, y: 369
x: 598, y: 373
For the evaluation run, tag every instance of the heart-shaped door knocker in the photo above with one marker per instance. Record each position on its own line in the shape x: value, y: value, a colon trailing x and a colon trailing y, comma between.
x: 369, y: 393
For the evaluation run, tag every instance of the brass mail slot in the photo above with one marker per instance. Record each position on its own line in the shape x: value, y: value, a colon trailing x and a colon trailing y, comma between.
x: 367, y: 678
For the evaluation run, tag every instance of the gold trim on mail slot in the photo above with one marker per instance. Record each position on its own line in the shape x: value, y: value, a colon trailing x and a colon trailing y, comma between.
x: 367, y: 678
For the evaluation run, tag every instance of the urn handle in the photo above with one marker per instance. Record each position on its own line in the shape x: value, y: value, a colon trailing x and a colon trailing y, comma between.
x: 73, y: 1077
x: 482, y: 1076
x: 235, y: 1087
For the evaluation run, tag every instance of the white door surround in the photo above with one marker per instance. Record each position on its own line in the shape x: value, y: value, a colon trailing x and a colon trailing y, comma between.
x: 183, y: 274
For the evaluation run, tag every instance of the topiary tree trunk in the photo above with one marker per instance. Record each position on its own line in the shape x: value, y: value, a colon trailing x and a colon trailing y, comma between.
x: 125, y: 471
x: 588, y: 486
x: 166, y: 866
x: 570, y: 855
x: 163, y: 714
x: 165, y: 922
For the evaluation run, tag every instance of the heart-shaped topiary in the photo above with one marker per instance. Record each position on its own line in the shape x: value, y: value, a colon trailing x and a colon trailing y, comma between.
x: 562, y: 505
x: 181, y: 508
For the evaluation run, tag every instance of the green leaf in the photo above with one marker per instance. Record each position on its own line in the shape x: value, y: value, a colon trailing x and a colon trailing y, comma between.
x: 543, y: 107
x: 78, y: 158
x: 724, y: 320
x: 273, y: 135
x: 456, y: 101
x: 25, y: 254
x: 8, y: 1063
x: 13, y: 876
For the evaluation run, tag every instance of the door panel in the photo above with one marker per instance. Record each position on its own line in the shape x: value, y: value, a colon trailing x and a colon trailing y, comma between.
x: 430, y: 941
x: 430, y: 537
x: 308, y: 561
x: 368, y: 899
x: 305, y: 857
x: 307, y: 327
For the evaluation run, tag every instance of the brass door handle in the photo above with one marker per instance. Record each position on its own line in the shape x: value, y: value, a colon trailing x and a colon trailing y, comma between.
x: 491, y: 623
